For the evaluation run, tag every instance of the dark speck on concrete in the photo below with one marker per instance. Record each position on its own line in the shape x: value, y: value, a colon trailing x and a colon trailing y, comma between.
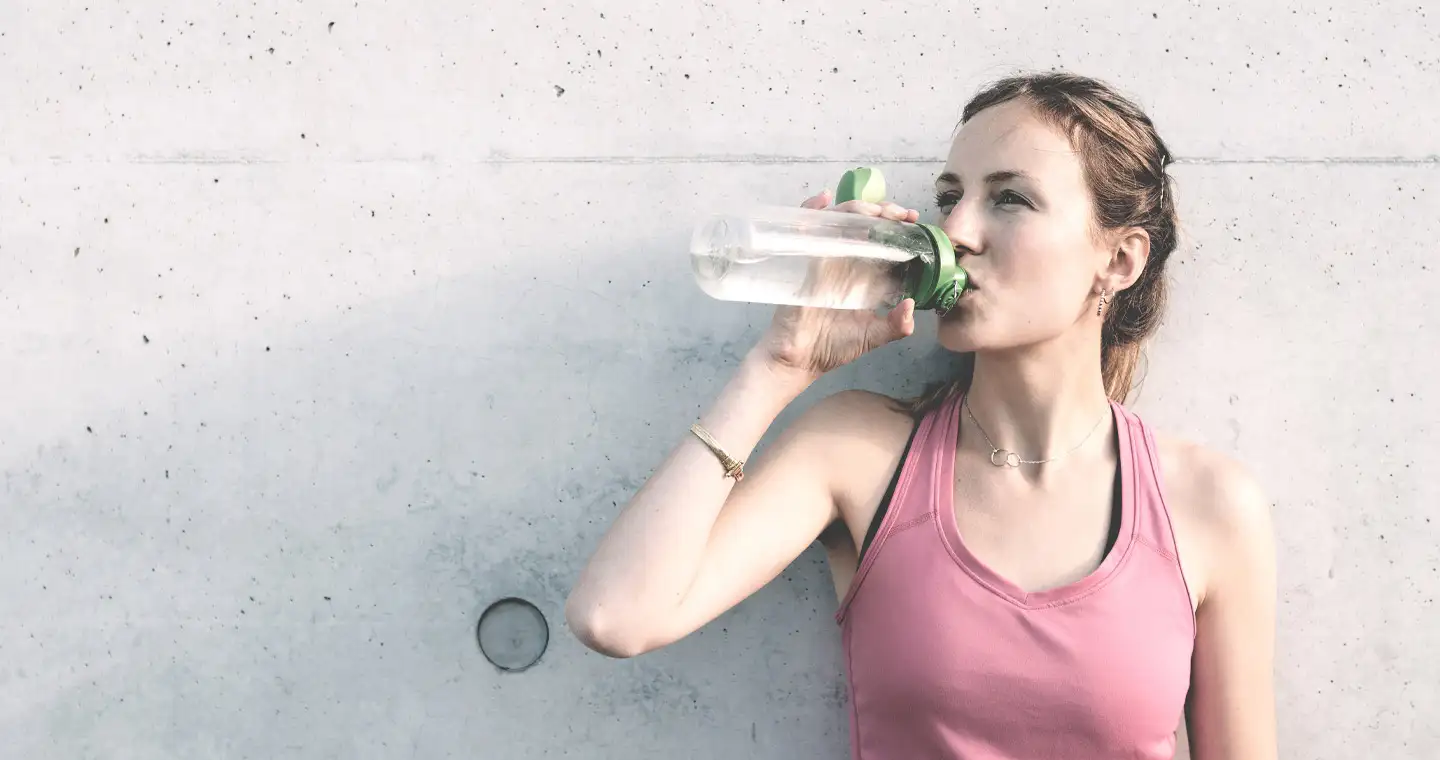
x: 77, y: 252
x: 145, y: 338
x: 559, y: 90
x: 330, y: 27
x: 88, y: 430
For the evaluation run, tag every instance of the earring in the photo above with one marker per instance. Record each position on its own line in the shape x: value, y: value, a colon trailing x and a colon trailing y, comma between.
x: 1104, y: 301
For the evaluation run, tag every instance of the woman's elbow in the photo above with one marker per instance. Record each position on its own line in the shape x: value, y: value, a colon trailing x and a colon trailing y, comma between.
x: 598, y: 631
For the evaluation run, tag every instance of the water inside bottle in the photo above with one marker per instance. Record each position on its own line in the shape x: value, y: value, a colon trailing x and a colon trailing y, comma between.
x: 735, y: 261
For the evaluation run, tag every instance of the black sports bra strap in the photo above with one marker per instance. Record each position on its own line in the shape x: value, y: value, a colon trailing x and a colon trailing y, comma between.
x: 889, y: 494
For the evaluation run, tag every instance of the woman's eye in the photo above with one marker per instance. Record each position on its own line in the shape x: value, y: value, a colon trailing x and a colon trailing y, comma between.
x: 1009, y: 197
x: 946, y: 201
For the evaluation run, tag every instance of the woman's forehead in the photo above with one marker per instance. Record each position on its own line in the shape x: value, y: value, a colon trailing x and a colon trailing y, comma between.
x: 1012, y: 138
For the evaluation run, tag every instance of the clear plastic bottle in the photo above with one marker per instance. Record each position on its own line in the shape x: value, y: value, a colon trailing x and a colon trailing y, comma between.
x: 826, y: 259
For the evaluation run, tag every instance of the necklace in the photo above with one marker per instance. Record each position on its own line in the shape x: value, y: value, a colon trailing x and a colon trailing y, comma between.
x: 1006, y: 458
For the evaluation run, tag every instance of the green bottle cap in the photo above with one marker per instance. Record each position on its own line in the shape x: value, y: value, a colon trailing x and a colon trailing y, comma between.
x: 937, y: 284
x: 861, y: 183
x: 938, y: 287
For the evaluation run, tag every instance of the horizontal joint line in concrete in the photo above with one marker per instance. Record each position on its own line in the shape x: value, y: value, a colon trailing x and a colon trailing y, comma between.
x: 764, y: 159
x: 738, y: 159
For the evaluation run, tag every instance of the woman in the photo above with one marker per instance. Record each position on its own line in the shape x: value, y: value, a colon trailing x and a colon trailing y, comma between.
x: 1025, y: 569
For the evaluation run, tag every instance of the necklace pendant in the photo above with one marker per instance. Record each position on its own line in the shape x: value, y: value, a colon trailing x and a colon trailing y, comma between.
x: 1003, y: 458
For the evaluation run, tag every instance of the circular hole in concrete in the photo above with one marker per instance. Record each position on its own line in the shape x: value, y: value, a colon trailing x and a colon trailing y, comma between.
x: 513, y: 634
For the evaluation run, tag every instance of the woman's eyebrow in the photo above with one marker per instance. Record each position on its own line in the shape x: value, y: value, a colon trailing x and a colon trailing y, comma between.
x: 951, y: 178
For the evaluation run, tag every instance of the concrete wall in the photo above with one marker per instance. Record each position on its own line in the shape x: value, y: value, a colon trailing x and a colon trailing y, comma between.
x: 327, y: 324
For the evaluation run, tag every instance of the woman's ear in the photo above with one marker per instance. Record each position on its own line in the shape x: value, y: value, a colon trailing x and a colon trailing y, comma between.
x: 1127, y: 259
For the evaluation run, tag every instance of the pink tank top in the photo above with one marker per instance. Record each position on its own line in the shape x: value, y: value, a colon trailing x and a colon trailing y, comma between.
x: 946, y: 659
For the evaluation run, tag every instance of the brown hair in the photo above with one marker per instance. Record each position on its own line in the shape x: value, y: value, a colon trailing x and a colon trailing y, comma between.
x: 1125, y: 168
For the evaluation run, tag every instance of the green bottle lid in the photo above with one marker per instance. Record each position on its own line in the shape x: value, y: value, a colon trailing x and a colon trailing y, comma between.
x: 936, y: 284
x: 861, y: 183
x: 939, y: 286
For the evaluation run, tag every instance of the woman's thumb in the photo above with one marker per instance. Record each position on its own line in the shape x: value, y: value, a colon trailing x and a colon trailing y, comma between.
x: 897, y: 324
x: 903, y: 318
x: 818, y: 202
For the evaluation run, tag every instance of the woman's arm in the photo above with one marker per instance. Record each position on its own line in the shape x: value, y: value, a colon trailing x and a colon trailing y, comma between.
x: 1230, y: 713
x: 692, y: 543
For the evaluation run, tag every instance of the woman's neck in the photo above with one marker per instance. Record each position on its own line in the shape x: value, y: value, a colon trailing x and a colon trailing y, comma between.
x: 1040, y: 401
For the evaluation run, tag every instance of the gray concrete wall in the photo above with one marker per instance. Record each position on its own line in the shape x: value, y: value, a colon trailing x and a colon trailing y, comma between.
x: 326, y: 324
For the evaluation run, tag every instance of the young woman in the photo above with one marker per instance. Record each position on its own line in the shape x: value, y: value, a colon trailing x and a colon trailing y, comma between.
x: 1026, y: 570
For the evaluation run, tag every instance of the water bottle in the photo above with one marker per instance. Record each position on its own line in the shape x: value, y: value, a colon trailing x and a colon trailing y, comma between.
x: 827, y: 259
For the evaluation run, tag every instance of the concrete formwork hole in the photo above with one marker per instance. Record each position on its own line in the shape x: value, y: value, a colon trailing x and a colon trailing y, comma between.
x: 513, y: 634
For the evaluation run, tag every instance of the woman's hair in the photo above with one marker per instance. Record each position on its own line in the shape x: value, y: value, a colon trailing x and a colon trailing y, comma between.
x: 1125, y: 163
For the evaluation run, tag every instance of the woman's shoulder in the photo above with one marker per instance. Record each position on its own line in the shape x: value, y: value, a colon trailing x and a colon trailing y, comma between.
x: 844, y: 430
x: 1219, y: 507
x: 859, y: 401
x: 863, y: 435
x: 1217, y: 487
x: 860, y: 418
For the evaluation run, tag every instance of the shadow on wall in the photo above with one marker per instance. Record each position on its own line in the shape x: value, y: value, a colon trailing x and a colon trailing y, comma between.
x: 249, y: 533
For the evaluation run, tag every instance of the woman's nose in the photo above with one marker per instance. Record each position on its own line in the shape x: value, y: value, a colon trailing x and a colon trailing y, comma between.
x: 962, y: 224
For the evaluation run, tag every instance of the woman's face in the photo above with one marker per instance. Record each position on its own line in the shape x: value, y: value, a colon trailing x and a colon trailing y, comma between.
x: 1013, y: 198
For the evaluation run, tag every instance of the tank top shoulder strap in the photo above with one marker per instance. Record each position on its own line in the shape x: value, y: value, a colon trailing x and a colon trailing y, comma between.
x: 889, y: 496
x: 910, y: 489
x: 1153, y: 525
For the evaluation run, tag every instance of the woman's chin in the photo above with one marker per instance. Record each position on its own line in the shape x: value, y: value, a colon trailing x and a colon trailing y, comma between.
x: 957, y: 337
